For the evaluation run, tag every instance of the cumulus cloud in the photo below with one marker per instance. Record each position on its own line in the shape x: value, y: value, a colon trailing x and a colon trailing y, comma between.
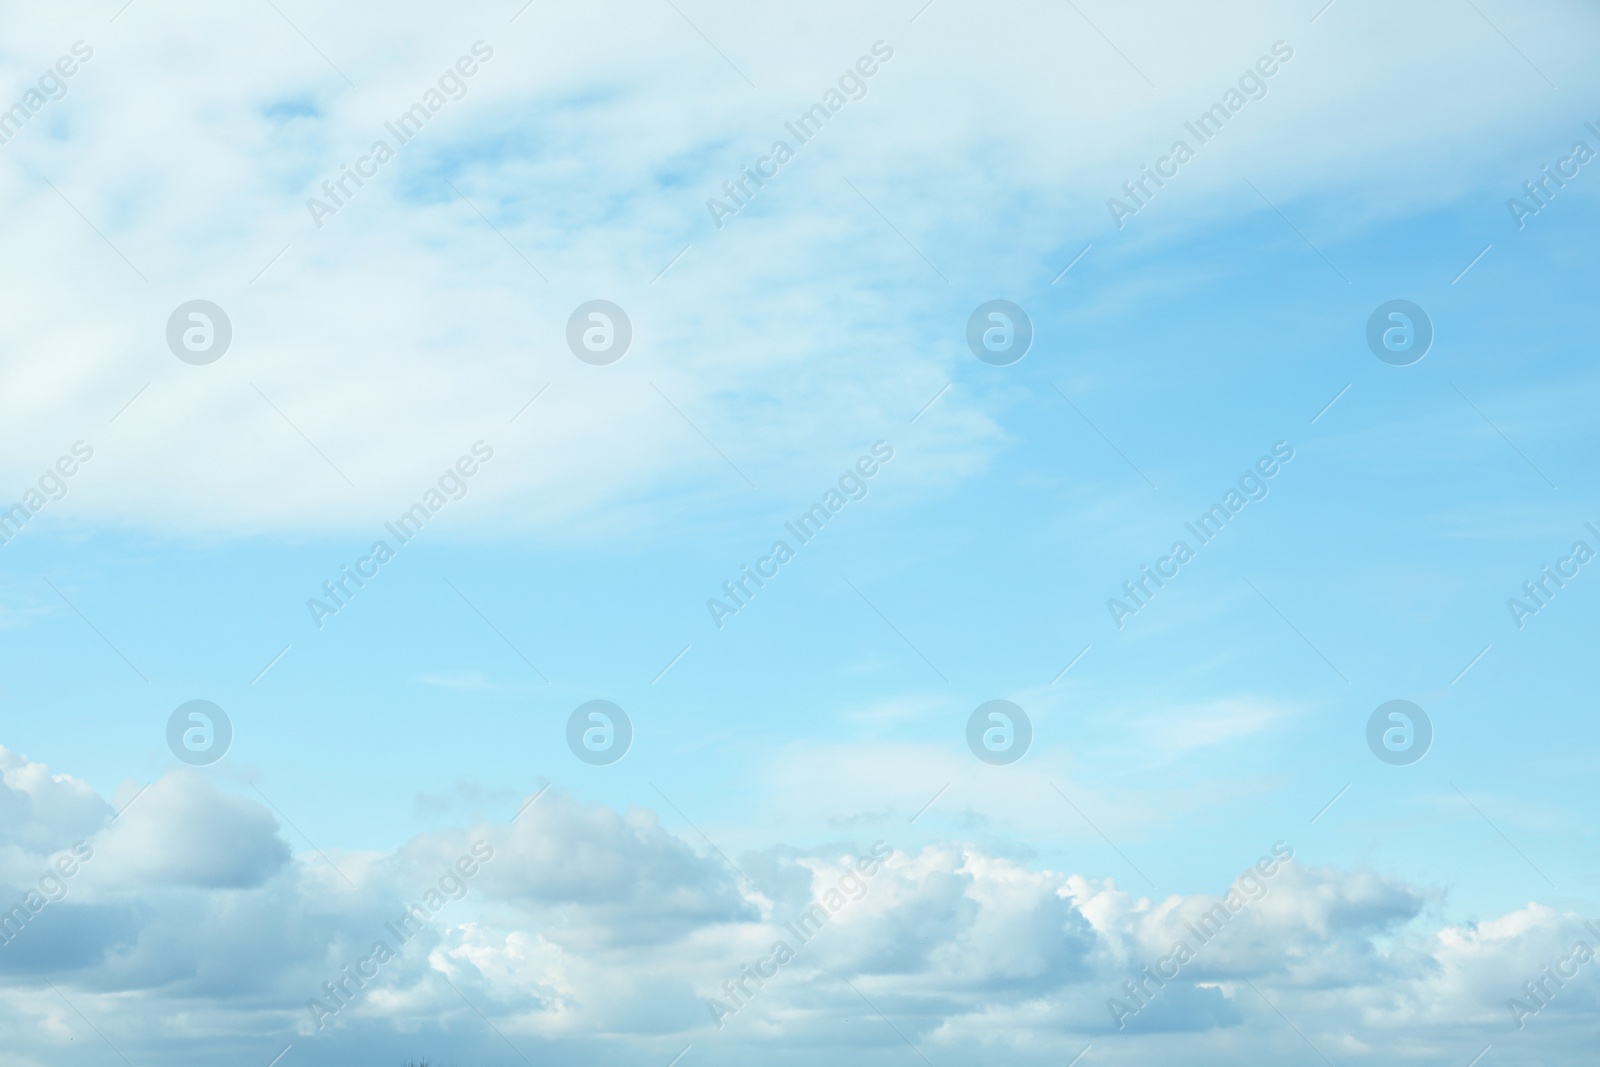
x: 184, y: 831
x: 590, y: 931
x: 39, y: 811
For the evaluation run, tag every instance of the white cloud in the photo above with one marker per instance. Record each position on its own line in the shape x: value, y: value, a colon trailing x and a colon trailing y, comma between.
x: 41, y: 812
x: 406, y: 328
x: 595, y: 932
x: 182, y: 831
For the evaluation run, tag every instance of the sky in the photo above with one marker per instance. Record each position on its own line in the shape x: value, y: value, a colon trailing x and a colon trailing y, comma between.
x: 1339, y: 349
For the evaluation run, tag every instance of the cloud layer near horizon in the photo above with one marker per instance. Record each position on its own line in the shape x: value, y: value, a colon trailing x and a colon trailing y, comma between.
x: 591, y: 932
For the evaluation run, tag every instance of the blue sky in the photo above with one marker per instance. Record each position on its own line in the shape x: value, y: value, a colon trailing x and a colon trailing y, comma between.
x: 1227, y: 317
